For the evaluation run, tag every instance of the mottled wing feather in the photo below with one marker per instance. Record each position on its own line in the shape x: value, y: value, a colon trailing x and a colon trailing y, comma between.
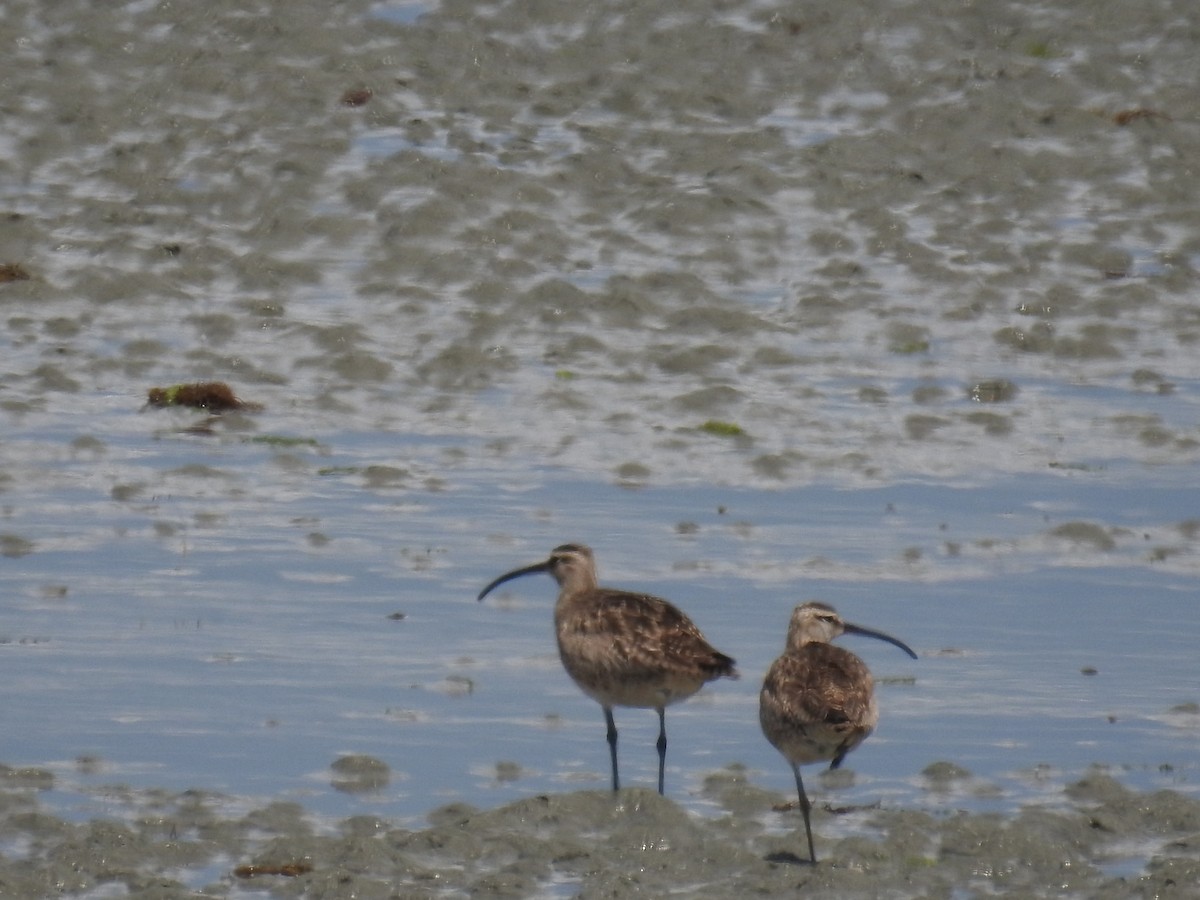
x: 822, y: 684
x: 639, y: 636
x: 817, y: 703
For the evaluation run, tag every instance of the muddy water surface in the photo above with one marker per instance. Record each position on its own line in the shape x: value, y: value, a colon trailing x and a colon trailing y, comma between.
x: 892, y: 305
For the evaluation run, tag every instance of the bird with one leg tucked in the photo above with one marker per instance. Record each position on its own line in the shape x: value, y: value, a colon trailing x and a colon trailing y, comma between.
x: 623, y: 648
x: 818, y: 700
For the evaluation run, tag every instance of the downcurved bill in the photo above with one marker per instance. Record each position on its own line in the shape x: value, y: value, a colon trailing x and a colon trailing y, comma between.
x: 517, y: 573
x: 855, y: 629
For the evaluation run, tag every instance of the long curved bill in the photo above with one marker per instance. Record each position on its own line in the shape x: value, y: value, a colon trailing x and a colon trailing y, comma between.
x: 515, y: 573
x: 870, y: 632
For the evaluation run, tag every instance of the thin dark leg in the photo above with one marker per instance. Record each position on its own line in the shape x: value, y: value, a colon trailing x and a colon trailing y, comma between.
x: 662, y: 747
x: 612, y: 745
x: 805, y: 809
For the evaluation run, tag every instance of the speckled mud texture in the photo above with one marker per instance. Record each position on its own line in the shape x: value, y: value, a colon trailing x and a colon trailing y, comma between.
x: 645, y: 216
x: 763, y: 244
x: 593, y: 844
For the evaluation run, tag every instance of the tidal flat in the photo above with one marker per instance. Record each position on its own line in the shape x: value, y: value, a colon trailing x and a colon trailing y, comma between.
x: 891, y: 305
x: 595, y: 844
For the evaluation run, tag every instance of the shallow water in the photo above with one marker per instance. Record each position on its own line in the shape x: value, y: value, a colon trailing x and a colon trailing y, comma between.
x: 882, y: 306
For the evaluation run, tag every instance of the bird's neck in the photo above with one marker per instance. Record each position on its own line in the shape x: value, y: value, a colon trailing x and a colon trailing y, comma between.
x: 576, y: 584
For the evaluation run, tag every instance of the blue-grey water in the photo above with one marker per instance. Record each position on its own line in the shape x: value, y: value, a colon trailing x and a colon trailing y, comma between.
x: 519, y: 298
x: 234, y: 652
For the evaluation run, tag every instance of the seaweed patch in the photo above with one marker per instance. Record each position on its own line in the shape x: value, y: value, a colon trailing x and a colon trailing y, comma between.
x: 215, y: 396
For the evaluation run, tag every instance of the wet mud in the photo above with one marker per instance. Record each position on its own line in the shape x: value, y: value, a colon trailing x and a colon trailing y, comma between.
x: 755, y: 244
x: 593, y: 844
x: 644, y: 242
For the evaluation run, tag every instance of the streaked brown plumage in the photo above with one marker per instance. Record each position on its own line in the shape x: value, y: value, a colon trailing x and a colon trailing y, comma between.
x: 818, y: 700
x: 623, y: 648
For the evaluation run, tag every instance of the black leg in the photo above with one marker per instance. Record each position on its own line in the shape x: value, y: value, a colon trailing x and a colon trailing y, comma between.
x: 612, y: 745
x: 662, y: 747
x: 805, y: 810
x: 837, y: 760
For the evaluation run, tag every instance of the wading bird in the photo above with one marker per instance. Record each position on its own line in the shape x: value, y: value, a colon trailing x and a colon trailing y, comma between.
x: 818, y: 700
x: 624, y: 648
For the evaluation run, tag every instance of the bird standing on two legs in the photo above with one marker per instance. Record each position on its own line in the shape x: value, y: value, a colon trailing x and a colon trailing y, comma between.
x: 818, y: 701
x: 623, y: 648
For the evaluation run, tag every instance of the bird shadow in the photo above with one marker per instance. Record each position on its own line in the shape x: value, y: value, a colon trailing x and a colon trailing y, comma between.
x: 787, y: 858
x: 791, y: 805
